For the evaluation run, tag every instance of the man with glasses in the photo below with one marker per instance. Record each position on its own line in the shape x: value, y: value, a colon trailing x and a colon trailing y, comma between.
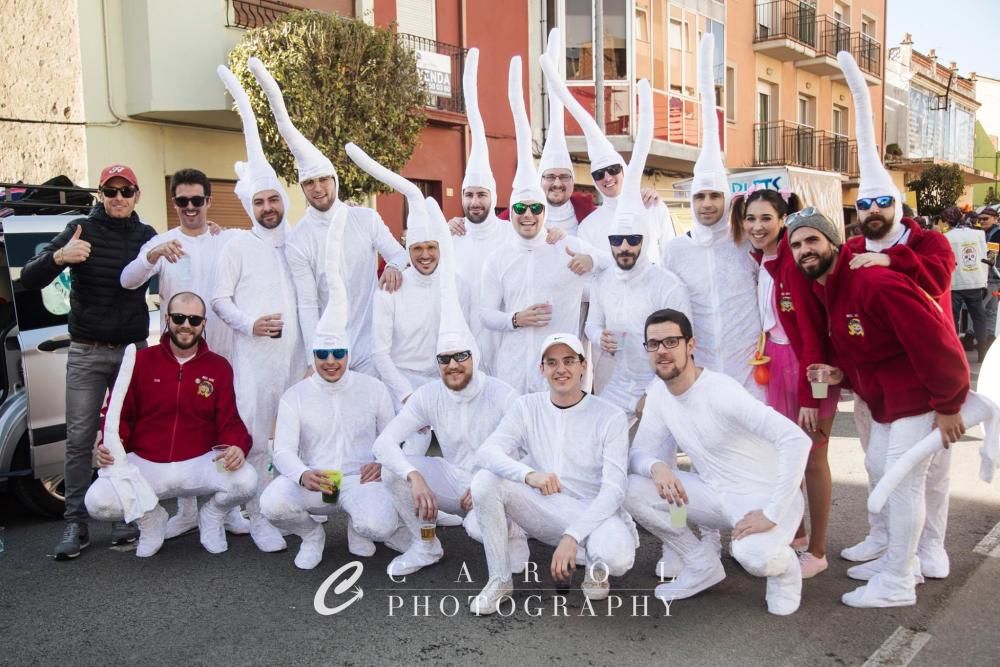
x: 988, y: 221
x: 104, y: 318
x: 556, y: 466
x: 181, y: 429
x: 749, y: 463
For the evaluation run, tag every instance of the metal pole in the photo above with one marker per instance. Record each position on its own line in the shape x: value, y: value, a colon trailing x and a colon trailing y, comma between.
x: 599, y: 62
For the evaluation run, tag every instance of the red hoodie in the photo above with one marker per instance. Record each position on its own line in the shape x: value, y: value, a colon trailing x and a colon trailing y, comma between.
x: 583, y: 205
x: 896, y: 345
x: 175, y: 412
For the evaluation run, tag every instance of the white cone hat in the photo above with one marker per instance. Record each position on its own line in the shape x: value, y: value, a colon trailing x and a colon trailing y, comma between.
x: 526, y: 185
x: 454, y: 334
x: 710, y: 173
x: 555, y: 154
x: 478, y: 173
x: 630, y: 214
x: 331, y: 330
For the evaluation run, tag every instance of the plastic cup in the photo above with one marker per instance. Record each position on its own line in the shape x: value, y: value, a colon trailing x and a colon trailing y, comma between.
x: 678, y: 515
x: 427, y: 530
x: 218, y: 452
x: 334, y: 477
x: 818, y: 379
x: 820, y: 389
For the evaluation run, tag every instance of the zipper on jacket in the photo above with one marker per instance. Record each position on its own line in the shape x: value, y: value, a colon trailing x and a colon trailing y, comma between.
x: 177, y: 409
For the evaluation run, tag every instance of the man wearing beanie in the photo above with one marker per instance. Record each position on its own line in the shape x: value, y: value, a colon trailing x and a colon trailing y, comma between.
x: 880, y: 321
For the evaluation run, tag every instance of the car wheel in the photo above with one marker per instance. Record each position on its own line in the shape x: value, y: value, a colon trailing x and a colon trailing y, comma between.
x: 45, y: 496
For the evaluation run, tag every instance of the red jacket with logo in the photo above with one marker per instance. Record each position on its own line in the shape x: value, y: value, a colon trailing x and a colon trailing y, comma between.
x: 175, y: 412
x: 894, y: 342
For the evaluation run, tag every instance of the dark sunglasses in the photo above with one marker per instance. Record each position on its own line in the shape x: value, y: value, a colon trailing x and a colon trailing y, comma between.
x: 338, y: 353
x: 617, y: 239
x: 178, y: 319
x: 127, y: 192
x: 197, y: 201
x: 613, y: 170
x: 521, y: 207
x: 884, y: 201
x: 445, y: 359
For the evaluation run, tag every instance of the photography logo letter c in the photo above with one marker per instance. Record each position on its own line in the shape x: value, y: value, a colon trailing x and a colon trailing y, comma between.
x: 319, y: 601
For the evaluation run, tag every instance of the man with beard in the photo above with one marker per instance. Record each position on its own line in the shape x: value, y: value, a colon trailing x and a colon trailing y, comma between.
x: 925, y: 256
x: 897, y: 348
x: 748, y: 462
x: 181, y: 429
x: 365, y: 235
x: 255, y: 296
x: 463, y: 409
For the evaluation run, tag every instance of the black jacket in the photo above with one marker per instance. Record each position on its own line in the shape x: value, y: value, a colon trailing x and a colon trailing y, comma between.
x: 100, y: 308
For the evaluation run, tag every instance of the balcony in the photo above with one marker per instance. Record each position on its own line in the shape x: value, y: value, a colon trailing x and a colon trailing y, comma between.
x: 834, y: 37
x: 249, y: 14
x: 782, y: 143
x: 441, y: 66
x: 785, y: 30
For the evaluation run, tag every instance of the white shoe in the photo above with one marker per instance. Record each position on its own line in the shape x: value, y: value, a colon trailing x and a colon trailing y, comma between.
x: 311, y: 552
x: 867, y: 549
x: 866, y: 571
x: 267, y: 538
x: 488, y: 599
x: 358, y: 545
x: 934, y: 562
x: 592, y: 588
x: 692, y: 581
x: 873, y: 595
x: 519, y: 552
x: 445, y: 519
x: 152, y: 529
x: 415, y: 558
x: 184, y: 521
x: 236, y: 523
x: 212, y: 529
x: 784, y: 592
x: 670, y: 564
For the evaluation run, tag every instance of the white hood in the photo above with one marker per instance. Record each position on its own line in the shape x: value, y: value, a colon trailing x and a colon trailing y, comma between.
x: 454, y: 334
x: 478, y: 173
x: 555, y: 154
x: 631, y: 216
x: 526, y: 185
x: 710, y: 173
x: 331, y: 331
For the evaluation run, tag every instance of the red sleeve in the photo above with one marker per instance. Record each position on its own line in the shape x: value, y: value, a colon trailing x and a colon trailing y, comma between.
x: 929, y: 263
x: 811, y: 321
x: 130, y: 412
x: 583, y: 205
x: 504, y: 214
x: 229, y: 427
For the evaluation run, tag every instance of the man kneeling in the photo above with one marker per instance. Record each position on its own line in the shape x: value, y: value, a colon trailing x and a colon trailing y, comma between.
x: 749, y: 460
x: 179, y: 407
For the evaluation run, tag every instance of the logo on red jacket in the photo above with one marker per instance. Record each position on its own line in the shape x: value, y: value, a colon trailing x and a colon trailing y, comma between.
x: 854, y: 327
x: 205, y: 386
x: 786, y: 304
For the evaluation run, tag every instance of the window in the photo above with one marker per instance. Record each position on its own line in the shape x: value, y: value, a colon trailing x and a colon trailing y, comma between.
x: 868, y: 27
x: 839, y: 124
x: 731, y: 94
x: 842, y: 13
x: 416, y: 17
x: 641, y: 24
x: 579, y: 35
x: 807, y: 110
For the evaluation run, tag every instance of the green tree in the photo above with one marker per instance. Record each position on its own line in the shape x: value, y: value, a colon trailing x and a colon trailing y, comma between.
x: 938, y: 187
x: 342, y: 81
x: 991, y: 197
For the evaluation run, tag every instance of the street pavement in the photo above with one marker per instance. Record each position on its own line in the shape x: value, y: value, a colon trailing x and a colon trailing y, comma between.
x: 185, y: 606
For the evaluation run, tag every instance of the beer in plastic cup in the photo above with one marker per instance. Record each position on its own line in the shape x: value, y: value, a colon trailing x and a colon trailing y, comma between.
x: 427, y: 530
x: 219, y: 451
x: 818, y: 380
x: 678, y: 515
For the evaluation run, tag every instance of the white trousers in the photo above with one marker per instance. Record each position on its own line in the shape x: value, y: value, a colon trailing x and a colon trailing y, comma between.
x: 448, y: 482
x: 288, y: 505
x: 193, y: 477
x: 544, y: 518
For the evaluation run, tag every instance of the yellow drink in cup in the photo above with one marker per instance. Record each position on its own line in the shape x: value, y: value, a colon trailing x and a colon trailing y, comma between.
x: 678, y: 515
x: 334, y: 477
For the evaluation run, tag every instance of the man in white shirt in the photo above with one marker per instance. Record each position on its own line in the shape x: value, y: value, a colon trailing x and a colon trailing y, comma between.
x: 750, y: 461
x: 968, y: 282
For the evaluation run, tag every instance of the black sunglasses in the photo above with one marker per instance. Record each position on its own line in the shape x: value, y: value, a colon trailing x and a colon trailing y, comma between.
x: 882, y: 202
x: 178, y: 319
x: 617, y: 239
x: 338, y: 353
x: 197, y: 201
x: 127, y: 192
x: 521, y: 207
x: 445, y: 359
x: 613, y: 169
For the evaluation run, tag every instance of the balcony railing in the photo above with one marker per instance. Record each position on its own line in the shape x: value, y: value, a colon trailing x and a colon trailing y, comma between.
x: 785, y: 19
x: 256, y: 13
x: 782, y: 143
x: 454, y: 101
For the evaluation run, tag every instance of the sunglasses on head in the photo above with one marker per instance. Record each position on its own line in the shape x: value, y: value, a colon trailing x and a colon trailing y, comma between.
x: 338, y: 353
x: 127, y: 192
x: 613, y: 170
x: 884, y: 201
x: 197, y: 201
x: 617, y: 239
x: 445, y: 359
x: 178, y: 319
x: 521, y: 207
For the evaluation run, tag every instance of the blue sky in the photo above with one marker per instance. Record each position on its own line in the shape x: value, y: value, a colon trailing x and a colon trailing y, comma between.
x: 961, y: 30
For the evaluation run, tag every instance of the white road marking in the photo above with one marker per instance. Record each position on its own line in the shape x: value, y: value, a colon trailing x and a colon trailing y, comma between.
x: 899, y: 649
x: 989, y: 545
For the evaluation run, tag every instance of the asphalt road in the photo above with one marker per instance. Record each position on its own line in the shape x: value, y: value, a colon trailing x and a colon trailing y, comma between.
x: 185, y: 606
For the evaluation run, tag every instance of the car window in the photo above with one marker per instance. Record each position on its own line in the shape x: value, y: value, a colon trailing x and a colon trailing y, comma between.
x: 36, y: 309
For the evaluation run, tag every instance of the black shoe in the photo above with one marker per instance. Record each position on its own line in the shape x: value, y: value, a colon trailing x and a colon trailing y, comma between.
x: 968, y: 343
x: 74, y: 538
x: 123, y: 533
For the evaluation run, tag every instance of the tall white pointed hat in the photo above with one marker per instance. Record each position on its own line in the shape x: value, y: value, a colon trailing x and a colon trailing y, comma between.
x: 526, y: 185
x: 555, y: 154
x: 419, y: 228
x: 875, y: 179
x: 331, y: 330
x: 478, y: 173
x: 630, y: 215
x: 600, y: 151
x: 256, y: 174
x: 710, y: 173
x: 454, y: 334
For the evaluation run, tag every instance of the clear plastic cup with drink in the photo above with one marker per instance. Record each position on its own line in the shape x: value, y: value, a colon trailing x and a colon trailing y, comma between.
x: 218, y: 452
x: 334, y: 478
x: 819, y: 379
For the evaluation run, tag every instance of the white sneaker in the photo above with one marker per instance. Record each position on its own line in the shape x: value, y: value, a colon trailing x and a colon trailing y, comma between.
x: 358, y: 545
x: 488, y: 599
x: 934, y: 562
x: 184, y: 521
x: 692, y: 581
x: 236, y: 523
x: 311, y: 552
x: 267, y: 538
x: 445, y: 519
x: 784, y: 592
x: 866, y: 571
x: 415, y: 558
x: 867, y: 549
x: 592, y: 588
x: 873, y: 595
x: 670, y: 564
x: 212, y: 529
x: 152, y: 528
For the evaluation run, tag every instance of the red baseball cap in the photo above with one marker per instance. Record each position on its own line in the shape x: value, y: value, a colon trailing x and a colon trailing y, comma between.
x: 119, y: 170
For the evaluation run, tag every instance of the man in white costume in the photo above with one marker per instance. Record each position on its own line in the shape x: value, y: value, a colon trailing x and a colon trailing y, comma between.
x: 721, y: 276
x: 255, y: 296
x: 366, y: 234
x: 556, y: 466
x: 463, y: 408
x: 750, y: 462
x: 530, y: 288
x: 328, y: 422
